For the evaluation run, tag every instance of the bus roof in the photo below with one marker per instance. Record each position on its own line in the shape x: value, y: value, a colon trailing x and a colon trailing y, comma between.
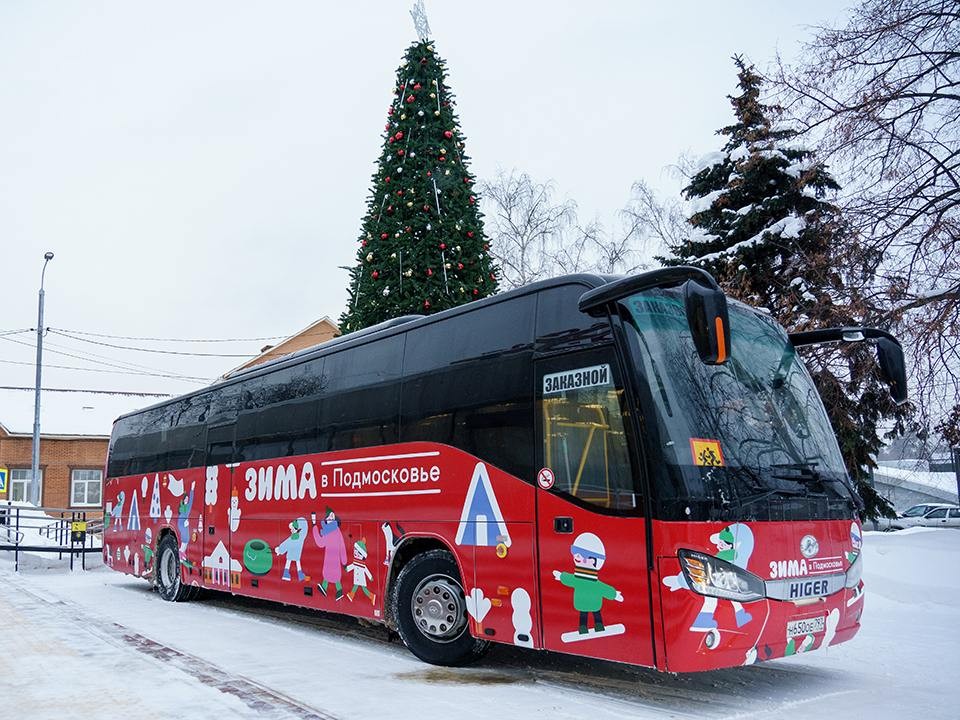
x: 382, y: 330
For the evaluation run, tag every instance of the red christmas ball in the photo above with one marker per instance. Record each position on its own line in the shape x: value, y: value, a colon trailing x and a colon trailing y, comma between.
x: 472, y: 199
x: 459, y: 266
x: 423, y: 61
x: 442, y: 158
x: 416, y: 86
x: 426, y: 304
x: 389, y: 209
x: 400, y: 152
x: 399, y: 135
x: 407, y: 229
x: 410, y: 98
x: 390, y: 140
x: 399, y: 193
x: 469, y: 233
x: 429, y: 272
x: 426, y: 208
x: 390, y: 111
x: 476, y: 292
x: 493, y: 277
x: 429, y: 173
x: 384, y: 236
x: 374, y: 274
x: 467, y: 181
x: 363, y: 242
x: 387, y: 179
x: 447, y: 134
x: 443, y: 246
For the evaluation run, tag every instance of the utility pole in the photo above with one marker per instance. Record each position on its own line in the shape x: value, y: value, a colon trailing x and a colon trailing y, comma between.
x: 34, y: 495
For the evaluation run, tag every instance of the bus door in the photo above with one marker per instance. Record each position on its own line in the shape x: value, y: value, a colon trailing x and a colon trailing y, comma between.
x: 219, y: 570
x: 594, y: 590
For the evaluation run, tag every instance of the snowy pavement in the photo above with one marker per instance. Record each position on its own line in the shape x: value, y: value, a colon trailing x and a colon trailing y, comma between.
x: 102, y: 644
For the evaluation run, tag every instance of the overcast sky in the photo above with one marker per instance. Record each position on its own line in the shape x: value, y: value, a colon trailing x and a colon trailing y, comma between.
x: 201, y: 169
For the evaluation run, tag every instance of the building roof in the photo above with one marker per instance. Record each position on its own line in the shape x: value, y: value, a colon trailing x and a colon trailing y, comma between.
x: 65, y: 414
x: 314, y: 334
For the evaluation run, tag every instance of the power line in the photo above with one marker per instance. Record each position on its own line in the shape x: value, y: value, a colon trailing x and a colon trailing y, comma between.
x: 15, y: 332
x: 92, y: 392
x: 149, y: 350
x: 185, y: 378
x: 113, y: 365
x: 159, y: 339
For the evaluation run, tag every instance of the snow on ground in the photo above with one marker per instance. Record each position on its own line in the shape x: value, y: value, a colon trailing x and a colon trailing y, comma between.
x: 105, y: 644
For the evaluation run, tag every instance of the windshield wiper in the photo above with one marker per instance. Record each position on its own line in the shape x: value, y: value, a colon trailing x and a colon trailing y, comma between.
x: 751, y: 499
x: 808, y: 473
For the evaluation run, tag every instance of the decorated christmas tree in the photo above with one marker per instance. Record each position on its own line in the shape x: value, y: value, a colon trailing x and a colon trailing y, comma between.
x: 422, y: 247
x: 763, y: 226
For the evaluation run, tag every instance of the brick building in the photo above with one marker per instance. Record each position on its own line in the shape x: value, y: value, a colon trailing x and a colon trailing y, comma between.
x: 75, y: 433
x: 71, y: 468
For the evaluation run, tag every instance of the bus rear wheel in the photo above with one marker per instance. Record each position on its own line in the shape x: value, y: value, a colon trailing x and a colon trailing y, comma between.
x: 169, y: 576
x: 429, y: 605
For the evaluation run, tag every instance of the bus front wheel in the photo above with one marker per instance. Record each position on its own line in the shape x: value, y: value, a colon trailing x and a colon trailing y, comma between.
x: 169, y: 576
x: 430, y: 609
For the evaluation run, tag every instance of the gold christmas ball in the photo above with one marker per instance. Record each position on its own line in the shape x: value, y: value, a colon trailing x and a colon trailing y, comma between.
x: 446, y: 172
x: 369, y: 257
x: 437, y: 113
x: 434, y: 82
x: 409, y: 273
x: 409, y: 204
x: 393, y: 256
x: 433, y: 95
x: 403, y: 117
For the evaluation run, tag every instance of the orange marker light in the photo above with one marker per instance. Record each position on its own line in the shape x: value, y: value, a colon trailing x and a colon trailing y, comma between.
x: 721, y: 343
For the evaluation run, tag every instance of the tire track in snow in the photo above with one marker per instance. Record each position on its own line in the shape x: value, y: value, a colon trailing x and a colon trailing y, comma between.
x: 265, y: 702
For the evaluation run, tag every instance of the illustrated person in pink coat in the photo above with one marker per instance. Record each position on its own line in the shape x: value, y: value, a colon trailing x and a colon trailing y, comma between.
x: 328, y: 537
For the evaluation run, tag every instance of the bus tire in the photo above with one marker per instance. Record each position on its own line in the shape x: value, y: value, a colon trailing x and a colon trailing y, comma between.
x: 169, y: 575
x: 430, y: 610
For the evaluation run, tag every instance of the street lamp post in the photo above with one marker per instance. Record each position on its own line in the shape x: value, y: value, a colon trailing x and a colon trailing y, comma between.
x: 34, y: 496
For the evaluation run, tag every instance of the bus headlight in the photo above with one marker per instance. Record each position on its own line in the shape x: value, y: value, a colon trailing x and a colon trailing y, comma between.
x: 709, y: 575
x: 855, y: 572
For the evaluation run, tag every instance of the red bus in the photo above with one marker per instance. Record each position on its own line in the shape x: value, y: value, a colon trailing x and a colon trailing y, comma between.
x: 630, y: 468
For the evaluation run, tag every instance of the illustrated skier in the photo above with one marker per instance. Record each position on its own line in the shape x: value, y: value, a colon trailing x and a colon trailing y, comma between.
x: 147, y: 548
x: 292, y: 547
x: 735, y: 545
x: 329, y: 538
x: 183, y: 524
x: 589, y: 592
x: 361, y: 573
x: 116, y: 515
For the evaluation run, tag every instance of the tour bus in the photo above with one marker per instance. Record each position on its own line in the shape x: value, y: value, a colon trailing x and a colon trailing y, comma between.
x: 634, y: 469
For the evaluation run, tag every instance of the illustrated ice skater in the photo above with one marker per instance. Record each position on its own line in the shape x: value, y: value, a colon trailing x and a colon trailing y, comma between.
x: 292, y: 547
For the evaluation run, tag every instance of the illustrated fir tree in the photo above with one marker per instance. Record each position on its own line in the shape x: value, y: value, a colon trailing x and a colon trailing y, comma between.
x: 762, y: 226
x: 422, y: 246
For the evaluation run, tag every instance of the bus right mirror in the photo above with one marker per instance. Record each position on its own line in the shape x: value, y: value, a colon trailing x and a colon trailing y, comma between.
x: 709, y: 322
x: 893, y: 369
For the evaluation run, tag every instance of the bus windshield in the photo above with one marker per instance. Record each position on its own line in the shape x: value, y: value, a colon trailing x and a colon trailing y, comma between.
x: 745, y: 440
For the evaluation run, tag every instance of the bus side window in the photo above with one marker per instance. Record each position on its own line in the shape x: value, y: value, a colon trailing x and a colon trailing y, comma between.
x: 584, y: 443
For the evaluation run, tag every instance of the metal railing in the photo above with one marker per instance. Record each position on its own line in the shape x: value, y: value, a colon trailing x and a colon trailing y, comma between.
x: 24, y: 528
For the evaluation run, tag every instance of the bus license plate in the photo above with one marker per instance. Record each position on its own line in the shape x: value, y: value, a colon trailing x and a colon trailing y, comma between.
x: 807, y: 626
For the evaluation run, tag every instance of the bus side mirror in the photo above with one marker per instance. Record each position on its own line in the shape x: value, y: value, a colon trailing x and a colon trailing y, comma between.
x: 709, y: 322
x: 893, y: 370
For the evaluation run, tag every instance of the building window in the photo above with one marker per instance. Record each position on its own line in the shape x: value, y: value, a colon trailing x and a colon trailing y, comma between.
x: 20, y: 483
x: 85, y: 486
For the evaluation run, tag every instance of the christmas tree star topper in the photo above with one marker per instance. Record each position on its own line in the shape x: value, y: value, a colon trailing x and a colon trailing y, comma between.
x: 420, y: 22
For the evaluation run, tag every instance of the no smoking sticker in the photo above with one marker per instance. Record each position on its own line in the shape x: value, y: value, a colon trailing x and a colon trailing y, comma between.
x: 545, y: 478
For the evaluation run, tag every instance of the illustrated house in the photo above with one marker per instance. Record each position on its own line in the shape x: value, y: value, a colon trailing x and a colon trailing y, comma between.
x: 480, y: 513
x: 220, y: 569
